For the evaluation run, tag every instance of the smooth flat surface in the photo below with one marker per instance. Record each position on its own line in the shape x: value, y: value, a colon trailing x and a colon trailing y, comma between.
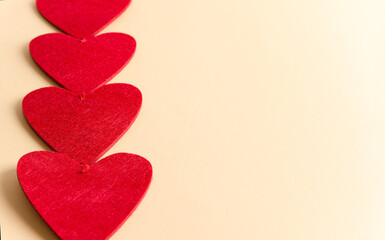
x: 262, y: 119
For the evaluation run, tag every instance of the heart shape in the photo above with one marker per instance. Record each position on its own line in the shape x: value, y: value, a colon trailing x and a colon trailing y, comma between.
x: 81, y: 18
x: 82, y: 66
x: 82, y: 127
x: 84, y: 205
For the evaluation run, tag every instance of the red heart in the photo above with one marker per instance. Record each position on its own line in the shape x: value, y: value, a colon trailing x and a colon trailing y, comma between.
x: 81, y: 18
x: 82, y: 66
x: 82, y: 129
x: 79, y: 204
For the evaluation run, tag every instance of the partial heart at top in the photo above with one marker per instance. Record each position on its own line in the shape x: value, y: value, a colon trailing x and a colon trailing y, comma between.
x: 82, y: 66
x: 79, y: 203
x: 81, y: 18
x: 82, y: 127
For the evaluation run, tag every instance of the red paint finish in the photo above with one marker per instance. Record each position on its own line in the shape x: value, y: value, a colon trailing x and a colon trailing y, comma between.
x: 82, y: 126
x: 79, y: 205
x: 81, y: 18
x: 82, y: 66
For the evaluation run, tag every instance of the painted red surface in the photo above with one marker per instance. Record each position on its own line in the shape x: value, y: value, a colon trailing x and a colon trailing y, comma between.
x: 82, y: 66
x: 84, y: 203
x: 81, y: 18
x: 83, y: 127
x: 78, y: 195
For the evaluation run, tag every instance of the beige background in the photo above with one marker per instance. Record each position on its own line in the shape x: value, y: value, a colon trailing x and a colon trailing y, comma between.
x: 263, y: 119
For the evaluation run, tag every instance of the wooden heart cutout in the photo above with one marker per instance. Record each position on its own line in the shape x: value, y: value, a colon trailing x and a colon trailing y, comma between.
x: 81, y: 202
x: 82, y: 66
x: 81, y: 18
x: 83, y: 127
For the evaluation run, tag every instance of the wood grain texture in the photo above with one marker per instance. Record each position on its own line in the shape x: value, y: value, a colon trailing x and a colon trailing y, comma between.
x: 83, y: 18
x: 79, y: 203
x: 82, y: 66
x: 83, y: 127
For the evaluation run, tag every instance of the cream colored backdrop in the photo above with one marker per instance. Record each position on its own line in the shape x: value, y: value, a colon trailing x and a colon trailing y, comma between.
x: 263, y: 119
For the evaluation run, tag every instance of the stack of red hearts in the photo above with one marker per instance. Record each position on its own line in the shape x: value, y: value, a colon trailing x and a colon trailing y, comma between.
x: 79, y: 196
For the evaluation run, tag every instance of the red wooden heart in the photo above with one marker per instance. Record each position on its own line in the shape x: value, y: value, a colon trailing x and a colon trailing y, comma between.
x: 84, y: 205
x: 82, y: 127
x: 82, y: 66
x: 81, y: 18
